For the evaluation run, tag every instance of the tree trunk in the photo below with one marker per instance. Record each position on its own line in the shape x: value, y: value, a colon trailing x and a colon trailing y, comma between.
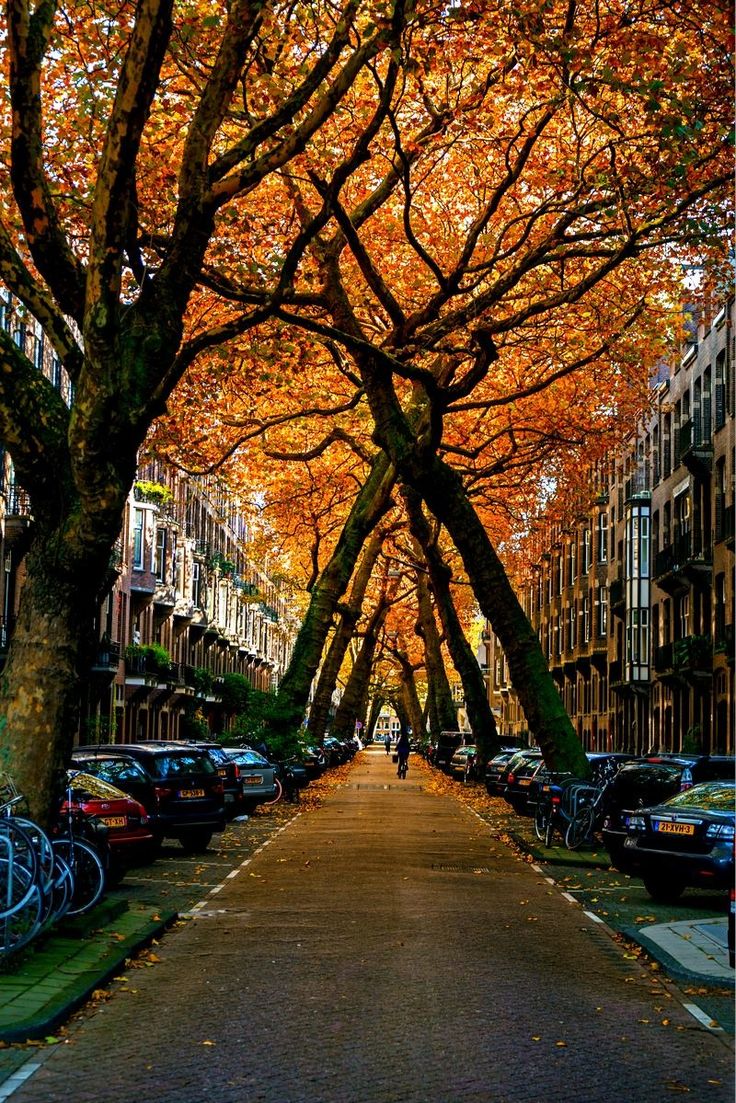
x: 368, y: 508
x: 545, y: 713
x: 444, y: 705
x: 356, y: 690
x: 375, y: 712
x: 442, y: 489
x: 482, y: 722
x: 51, y: 648
x: 327, y: 680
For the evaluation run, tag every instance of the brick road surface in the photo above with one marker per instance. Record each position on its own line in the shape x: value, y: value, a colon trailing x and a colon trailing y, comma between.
x: 387, y: 948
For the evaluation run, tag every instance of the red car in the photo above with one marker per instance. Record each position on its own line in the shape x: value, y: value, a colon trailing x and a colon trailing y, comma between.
x: 129, y: 836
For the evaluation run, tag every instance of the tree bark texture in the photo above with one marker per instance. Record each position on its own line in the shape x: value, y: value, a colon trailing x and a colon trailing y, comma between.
x: 480, y: 715
x: 370, y: 505
x: 446, y: 712
x: 327, y: 680
x: 351, y: 702
x: 409, y: 697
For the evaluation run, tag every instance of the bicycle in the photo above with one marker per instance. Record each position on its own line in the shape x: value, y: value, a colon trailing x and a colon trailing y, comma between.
x: 80, y: 855
x: 587, y: 817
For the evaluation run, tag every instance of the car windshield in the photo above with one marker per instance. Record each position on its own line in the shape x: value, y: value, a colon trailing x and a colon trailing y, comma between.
x: 116, y: 772
x: 248, y: 758
x: 717, y: 796
x: 175, y: 765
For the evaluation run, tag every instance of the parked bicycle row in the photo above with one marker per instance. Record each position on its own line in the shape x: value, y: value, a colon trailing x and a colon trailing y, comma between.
x: 121, y: 802
x: 666, y: 818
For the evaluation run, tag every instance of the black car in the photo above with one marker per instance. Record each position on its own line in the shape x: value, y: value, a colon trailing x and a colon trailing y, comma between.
x: 685, y: 841
x: 495, y: 770
x: 517, y: 777
x: 649, y: 782
x: 189, y: 791
x: 228, y: 770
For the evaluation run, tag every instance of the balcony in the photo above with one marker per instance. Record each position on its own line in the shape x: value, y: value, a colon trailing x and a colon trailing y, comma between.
x: 694, y: 444
x: 17, y: 514
x: 107, y: 659
x: 637, y: 488
x: 689, y: 660
x: 688, y: 560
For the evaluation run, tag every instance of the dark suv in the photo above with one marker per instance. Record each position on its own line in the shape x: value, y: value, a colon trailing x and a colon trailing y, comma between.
x: 189, y: 791
x: 649, y: 782
x: 228, y: 770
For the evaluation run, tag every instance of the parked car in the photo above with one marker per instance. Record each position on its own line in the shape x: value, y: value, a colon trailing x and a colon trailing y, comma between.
x: 447, y: 744
x: 228, y: 770
x: 189, y: 791
x: 257, y: 775
x: 648, y: 782
x: 496, y: 769
x: 459, y: 761
x: 124, y: 773
x: 313, y: 759
x: 129, y: 836
x: 687, y: 840
x: 517, y: 777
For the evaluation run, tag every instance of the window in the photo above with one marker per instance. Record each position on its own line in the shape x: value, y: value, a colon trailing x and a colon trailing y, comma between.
x: 159, y: 564
x: 586, y: 618
x: 196, y: 583
x: 138, y: 543
x: 602, y: 553
x: 586, y: 558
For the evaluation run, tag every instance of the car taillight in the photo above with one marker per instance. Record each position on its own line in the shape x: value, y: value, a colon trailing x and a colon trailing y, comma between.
x: 218, y: 788
x: 557, y: 800
x: 720, y: 831
x: 237, y: 772
x: 511, y: 779
x: 163, y: 791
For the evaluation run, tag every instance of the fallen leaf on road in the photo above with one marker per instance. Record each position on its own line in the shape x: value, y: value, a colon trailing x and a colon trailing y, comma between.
x: 209, y: 1043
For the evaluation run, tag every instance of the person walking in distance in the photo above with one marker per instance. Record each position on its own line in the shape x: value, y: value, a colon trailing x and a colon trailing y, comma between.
x: 402, y: 750
x: 387, y: 744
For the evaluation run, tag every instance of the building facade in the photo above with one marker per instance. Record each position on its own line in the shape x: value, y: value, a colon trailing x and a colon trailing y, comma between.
x: 631, y: 589
x: 186, y: 606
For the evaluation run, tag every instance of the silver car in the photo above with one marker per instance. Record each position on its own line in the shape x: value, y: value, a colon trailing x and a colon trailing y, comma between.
x: 258, y: 776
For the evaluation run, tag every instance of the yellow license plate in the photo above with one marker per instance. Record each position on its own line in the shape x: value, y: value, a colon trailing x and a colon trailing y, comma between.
x: 115, y: 821
x: 666, y: 828
x: 191, y: 794
x: 525, y: 781
x: 222, y: 772
x: 254, y: 780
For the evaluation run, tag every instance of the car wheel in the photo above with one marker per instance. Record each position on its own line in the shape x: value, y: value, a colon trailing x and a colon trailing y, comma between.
x: 195, y: 842
x: 663, y: 891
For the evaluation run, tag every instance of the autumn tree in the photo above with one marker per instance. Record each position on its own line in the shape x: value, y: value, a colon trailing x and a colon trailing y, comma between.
x: 541, y: 186
x: 140, y: 137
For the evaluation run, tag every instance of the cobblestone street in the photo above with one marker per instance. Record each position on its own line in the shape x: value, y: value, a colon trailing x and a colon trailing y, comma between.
x: 386, y: 948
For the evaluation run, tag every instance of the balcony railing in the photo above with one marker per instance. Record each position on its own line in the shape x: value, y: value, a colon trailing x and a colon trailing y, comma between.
x: 690, y: 655
x: 638, y: 486
x: 689, y: 549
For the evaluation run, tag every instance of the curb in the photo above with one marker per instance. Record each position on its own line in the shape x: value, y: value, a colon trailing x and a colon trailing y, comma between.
x: 63, y: 973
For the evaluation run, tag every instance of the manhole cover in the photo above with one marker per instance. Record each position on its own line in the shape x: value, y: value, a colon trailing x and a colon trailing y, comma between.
x: 460, y: 869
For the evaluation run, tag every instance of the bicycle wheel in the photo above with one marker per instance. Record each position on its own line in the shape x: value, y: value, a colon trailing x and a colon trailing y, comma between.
x: 24, y: 924
x: 277, y: 796
x: 580, y: 828
x: 59, y: 892
x: 17, y: 885
x: 88, y: 873
x: 541, y: 816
